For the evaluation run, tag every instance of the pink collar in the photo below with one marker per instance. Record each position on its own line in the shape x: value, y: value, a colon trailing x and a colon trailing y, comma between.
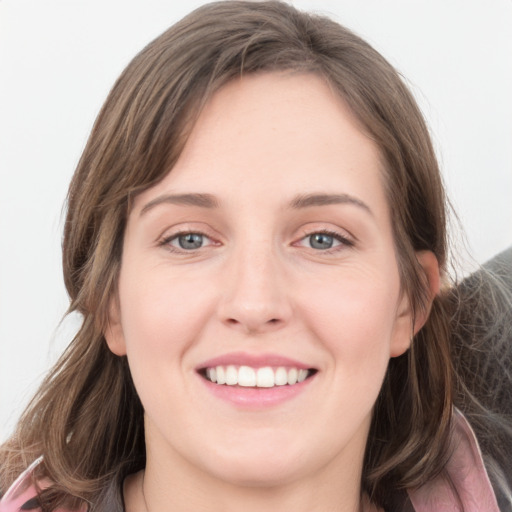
x: 464, y: 484
x: 24, y: 490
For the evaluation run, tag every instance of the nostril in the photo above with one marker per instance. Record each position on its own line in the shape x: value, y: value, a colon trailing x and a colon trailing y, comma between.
x: 234, y: 321
x: 253, y: 322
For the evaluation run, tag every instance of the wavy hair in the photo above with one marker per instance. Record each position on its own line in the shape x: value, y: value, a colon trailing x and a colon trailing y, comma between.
x: 86, y: 419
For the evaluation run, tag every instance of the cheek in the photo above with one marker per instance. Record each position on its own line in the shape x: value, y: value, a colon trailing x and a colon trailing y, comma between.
x: 352, y: 318
x: 162, y: 317
x: 355, y: 317
x: 161, y: 314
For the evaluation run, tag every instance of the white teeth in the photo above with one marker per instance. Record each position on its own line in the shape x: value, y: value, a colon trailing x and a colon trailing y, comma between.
x: 212, y: 374
x: 292, y: 376
x: 265, y: 377
x: 281, y: 377
x: 221, y: 375
x: 246, y: 376
x: 231, y: 376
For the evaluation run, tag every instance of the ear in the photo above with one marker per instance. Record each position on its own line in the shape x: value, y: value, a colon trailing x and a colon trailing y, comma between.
x: 430, y: 265
x: 113, y: 332
x: 407, y: 326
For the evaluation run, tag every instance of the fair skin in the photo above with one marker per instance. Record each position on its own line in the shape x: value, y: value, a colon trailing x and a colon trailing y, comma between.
x: 288, y: 265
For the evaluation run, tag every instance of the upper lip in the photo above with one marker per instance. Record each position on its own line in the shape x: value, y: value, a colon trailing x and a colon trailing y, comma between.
x: 253, y: 360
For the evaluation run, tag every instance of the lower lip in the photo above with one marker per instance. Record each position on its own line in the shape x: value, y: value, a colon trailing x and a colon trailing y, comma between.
x: 256, y: 398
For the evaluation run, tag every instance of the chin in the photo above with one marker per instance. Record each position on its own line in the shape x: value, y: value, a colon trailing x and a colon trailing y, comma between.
x: 242, y: 472
x: 258, y: 461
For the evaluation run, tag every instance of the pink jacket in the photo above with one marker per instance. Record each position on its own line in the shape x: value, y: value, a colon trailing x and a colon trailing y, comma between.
x: 469, y: 480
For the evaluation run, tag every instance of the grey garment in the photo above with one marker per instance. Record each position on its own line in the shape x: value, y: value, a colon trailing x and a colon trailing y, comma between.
x: 501, y: 265
x: 482, y: 332
x: 482, y: 355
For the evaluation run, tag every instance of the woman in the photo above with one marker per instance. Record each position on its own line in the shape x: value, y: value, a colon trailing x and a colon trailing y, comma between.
x: 256, y: 241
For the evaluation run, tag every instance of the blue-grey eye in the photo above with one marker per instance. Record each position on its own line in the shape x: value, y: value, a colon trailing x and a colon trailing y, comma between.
x: 321, y: 241
x: 190, y: 241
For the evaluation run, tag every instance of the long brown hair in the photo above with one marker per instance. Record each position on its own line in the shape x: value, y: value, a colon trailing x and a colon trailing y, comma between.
x: 86, y: 419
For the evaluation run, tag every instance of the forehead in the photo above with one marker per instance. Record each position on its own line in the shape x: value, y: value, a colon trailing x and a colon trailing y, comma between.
x: 277, y: 134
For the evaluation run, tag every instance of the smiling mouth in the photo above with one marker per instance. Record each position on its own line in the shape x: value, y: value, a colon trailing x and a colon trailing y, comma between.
x: 247, y: 376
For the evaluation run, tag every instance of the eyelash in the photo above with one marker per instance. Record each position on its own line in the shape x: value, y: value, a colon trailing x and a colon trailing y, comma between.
x: 345, y: 242
x: 166, y: 242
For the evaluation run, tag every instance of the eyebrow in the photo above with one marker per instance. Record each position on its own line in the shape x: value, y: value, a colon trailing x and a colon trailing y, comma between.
x: 200, y: 200
x: 299, y: 202
x: 309, y: 200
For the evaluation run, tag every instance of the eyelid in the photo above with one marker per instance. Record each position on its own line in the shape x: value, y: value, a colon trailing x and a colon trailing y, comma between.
x: 166, y: 239
x: 175, y: 236
x: 344, y: 238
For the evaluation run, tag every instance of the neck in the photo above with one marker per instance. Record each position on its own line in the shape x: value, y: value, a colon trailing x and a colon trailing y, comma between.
x: 231, y: 499
x: 154, y: 490
x: 173, y: 481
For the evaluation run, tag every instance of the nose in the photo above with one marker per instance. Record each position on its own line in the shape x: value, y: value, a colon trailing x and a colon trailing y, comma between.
x: 255, y: 295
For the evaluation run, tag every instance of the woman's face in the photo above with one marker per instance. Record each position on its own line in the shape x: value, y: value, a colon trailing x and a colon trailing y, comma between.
x: 265, y: 256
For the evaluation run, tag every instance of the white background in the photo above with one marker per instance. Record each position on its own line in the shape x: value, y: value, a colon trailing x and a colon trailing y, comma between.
x: 58, y: 60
